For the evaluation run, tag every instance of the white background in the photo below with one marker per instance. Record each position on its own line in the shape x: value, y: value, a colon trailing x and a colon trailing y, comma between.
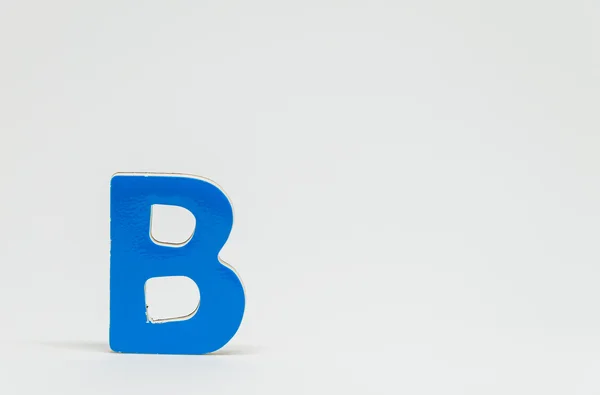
x: 415, y: 183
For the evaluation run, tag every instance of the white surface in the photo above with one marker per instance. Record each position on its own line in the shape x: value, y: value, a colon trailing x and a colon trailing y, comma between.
x: 416, y: 190
x: 171, y: 298
x: 170, y: 225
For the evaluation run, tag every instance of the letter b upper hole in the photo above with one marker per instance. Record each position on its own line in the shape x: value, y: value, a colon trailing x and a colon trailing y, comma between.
x: 171, y: 225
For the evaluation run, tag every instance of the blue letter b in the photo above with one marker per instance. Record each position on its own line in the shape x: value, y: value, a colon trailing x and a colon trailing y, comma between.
x: 135, y: 258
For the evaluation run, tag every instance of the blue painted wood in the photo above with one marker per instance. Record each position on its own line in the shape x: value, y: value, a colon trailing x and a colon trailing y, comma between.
x: 135, y: 258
